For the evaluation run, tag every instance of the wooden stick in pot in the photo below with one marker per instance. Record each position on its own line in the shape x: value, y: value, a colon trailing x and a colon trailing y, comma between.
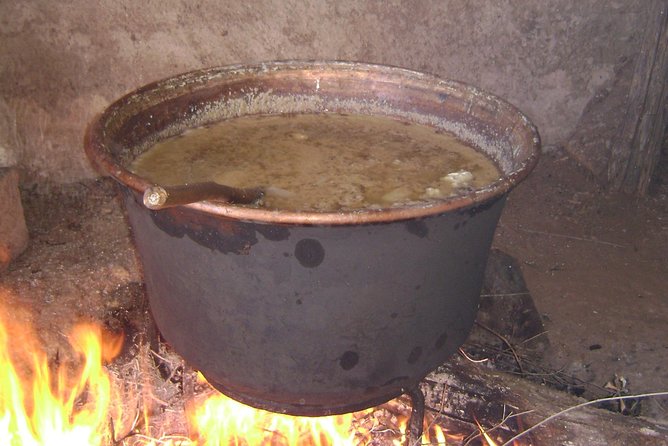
x: 161, y: 197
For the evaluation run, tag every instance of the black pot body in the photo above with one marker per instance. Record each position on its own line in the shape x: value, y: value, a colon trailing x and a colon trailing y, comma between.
x: 313, y: 320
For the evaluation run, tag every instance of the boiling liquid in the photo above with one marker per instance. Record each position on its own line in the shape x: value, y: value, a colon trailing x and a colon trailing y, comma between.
x: 322, y: 162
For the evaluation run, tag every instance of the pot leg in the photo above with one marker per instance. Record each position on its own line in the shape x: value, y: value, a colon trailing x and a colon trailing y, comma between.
x: 416, y: 422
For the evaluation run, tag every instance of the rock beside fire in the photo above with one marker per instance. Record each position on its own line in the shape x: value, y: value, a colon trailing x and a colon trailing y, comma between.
x: 508, y: 320
x: 13, y: 230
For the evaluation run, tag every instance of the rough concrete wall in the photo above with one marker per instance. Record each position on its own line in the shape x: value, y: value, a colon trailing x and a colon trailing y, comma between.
x: 62, y: 62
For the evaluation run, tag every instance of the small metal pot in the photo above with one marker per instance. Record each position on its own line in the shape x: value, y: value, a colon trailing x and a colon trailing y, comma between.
x: 313, y: 313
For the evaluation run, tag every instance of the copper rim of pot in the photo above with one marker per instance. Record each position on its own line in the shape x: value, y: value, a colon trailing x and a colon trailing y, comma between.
x: 99, y: 147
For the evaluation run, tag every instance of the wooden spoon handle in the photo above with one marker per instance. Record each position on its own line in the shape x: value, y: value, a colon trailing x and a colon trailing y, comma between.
x: 160, y: 197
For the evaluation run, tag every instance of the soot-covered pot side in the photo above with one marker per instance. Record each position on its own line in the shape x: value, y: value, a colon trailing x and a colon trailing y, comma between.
x: 313, y: 313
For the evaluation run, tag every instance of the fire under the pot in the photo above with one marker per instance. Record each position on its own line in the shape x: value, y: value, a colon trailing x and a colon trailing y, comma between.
x: 101, y: 396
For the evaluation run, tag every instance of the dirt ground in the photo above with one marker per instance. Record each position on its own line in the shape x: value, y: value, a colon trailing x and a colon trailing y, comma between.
x: 596, y: 265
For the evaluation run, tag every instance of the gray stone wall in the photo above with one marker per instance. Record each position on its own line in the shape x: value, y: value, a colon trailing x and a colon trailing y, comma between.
x: 61, y: 62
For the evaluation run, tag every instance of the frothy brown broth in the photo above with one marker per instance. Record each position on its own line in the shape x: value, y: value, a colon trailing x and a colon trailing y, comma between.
x: 322, y: 162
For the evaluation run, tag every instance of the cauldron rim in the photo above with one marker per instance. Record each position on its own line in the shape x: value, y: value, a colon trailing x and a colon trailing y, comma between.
x: 99, y: 155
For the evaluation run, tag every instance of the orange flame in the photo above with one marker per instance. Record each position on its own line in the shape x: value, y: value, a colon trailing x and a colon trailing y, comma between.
x: 39, y: 408
x: 220, y: 420
x: 432, y: 433
x: 485, y: 435
x: 74, y: 404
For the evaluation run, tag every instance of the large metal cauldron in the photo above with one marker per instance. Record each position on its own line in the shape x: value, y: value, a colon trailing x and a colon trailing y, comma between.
x: 313, y: 313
